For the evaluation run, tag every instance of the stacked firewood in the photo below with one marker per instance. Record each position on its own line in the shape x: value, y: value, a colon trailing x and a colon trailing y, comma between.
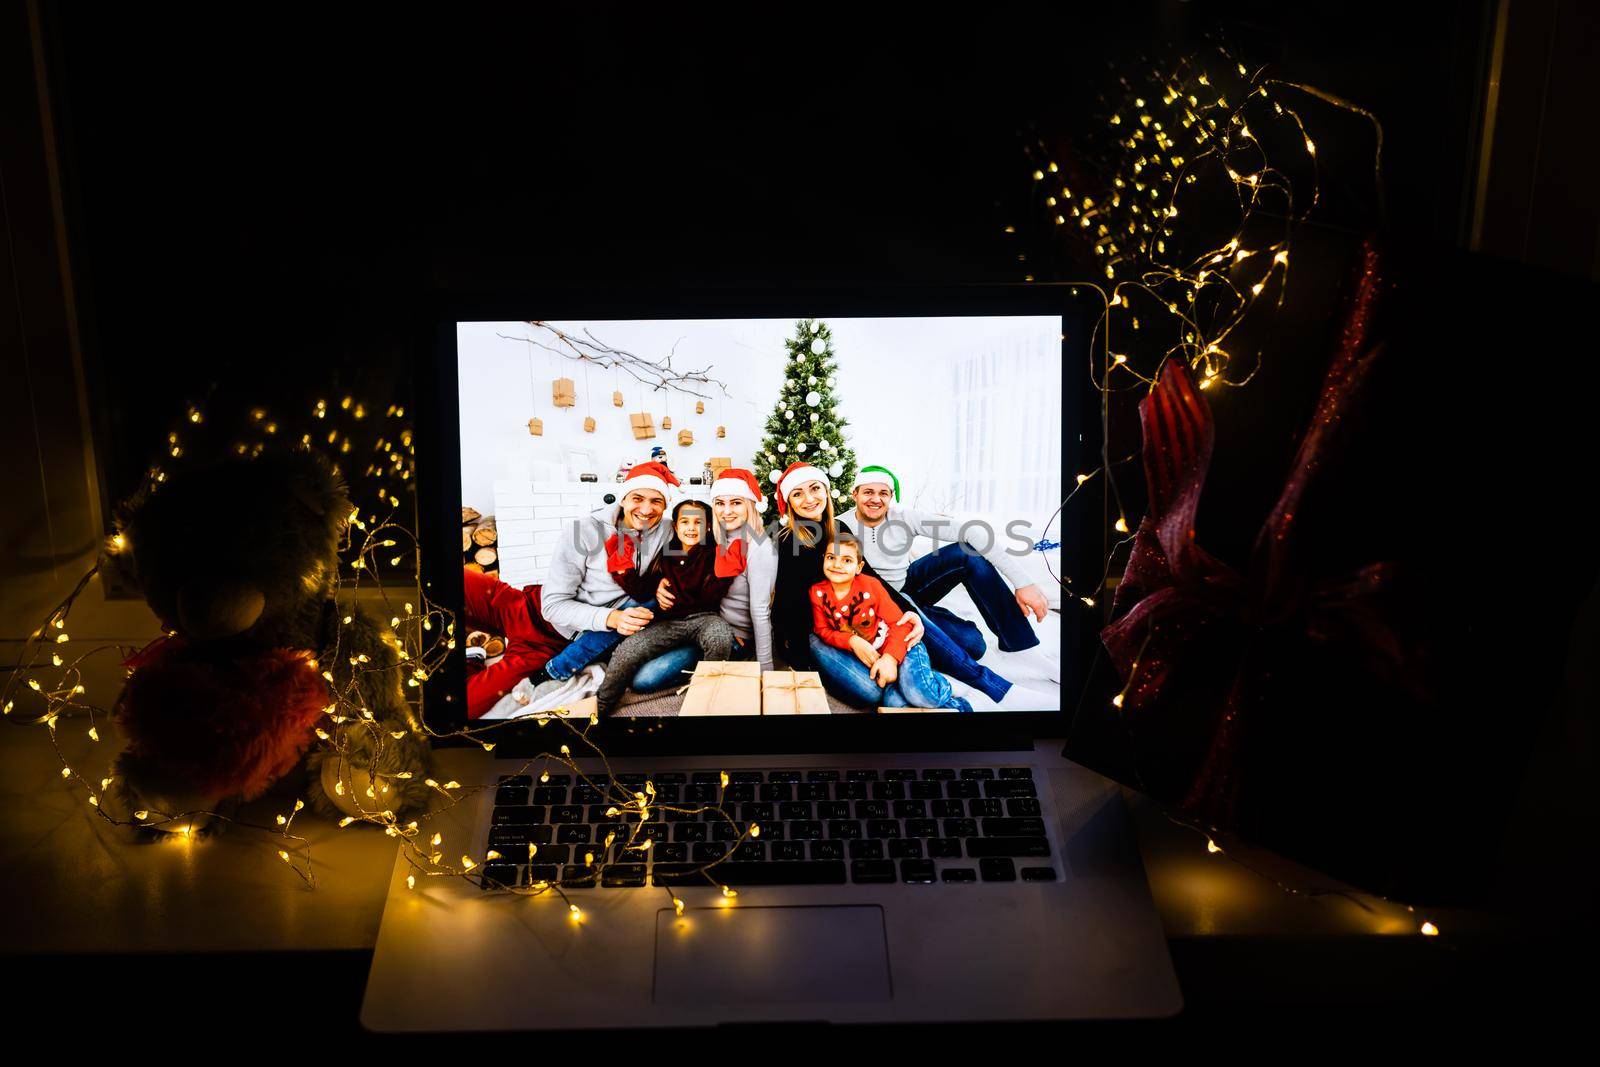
x: 480, y: 542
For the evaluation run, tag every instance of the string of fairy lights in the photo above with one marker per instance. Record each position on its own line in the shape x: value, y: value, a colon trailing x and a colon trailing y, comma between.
x: 1173, y: 293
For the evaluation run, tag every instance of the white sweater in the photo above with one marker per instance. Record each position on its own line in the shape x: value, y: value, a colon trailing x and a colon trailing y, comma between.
x: 579, y: 592
x: 748, y: 603
x: 887, y: 545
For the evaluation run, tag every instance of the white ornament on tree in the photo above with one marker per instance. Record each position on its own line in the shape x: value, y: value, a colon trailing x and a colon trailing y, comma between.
x: 813, y: 398
x: 836, y: 470
x: 783, y: 448
x: 815, y: 416
x: 818, y: 346
x: 776, y: 476
x: 811, y: 379
x: 802, y: 446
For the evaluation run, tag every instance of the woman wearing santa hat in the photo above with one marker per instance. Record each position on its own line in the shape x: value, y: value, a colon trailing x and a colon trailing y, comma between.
x: 805, y: 507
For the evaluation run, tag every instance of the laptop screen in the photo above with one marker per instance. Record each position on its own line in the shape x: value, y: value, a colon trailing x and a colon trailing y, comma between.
x: 762, y: 516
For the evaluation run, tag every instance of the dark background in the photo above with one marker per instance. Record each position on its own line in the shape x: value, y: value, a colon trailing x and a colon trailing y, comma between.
x: 253, y: 209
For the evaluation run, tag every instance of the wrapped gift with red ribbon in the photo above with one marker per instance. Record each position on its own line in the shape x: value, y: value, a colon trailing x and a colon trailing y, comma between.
x: 1208, y: 652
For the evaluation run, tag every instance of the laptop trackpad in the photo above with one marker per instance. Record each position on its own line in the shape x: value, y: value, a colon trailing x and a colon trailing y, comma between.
x: 748, y: 955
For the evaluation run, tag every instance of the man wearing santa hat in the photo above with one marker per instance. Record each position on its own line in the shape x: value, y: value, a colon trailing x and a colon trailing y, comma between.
x: 887, y: 529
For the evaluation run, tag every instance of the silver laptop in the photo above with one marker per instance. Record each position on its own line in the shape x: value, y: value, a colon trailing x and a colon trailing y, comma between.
x: 841, y: 858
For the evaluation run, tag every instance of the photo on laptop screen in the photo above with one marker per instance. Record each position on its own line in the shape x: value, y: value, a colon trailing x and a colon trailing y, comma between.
x: 717, y: 517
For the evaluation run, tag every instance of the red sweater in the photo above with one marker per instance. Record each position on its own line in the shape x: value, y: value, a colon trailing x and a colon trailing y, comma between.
x: 866, y: 612
x: 699, y: 578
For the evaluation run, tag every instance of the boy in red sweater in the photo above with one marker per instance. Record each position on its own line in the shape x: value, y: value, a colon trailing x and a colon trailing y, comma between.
x: 854, y: 613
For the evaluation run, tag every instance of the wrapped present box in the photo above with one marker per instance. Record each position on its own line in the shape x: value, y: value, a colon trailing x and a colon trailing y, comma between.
x: 723, y: 687
x: 793, y: 692
x: 588, y: 425
x: 563, y: 392
x: 536, y: 427
x: 685, y: 438
x: 616, y: 399
x: 718, y: 464
x: 644, y: 425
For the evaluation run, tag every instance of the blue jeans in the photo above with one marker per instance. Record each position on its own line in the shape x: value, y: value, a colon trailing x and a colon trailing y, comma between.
x: 947, y: 655
x: 588, y: 646
x: 918, y: 686
x: 666, y: 671
x: 931, y: 578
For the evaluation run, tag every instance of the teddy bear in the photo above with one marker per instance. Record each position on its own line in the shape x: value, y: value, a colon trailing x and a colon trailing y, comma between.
x: 238, y: 560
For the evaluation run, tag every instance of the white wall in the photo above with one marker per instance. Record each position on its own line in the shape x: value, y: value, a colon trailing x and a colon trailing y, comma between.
x: 895, y: 387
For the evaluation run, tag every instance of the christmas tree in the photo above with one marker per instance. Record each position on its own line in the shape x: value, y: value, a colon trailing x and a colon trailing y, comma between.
x: 805, y: 423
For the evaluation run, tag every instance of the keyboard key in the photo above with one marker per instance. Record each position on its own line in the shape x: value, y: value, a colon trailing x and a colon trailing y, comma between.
x: 872, y: 809
x: 924, y: 790
x: 976, y: 772
x: 671, y: 852
x: 726, y: 831
x: 740, y: 792
x: 749, y: 874
x: 850, y: 791
x: 1012, y: 827
x: 844, y: 829
x: 1014, y: 787
x: 681, y: 815
x: 947, y: 809
x: 944, y: 848
x: 916, y: 872
x: 905, y: 850
x: 961, y: 828
x: 598, y: 816
x: 783, y: 776
x: 535, y: 873
x: 749, y: 852
x: 959, y: 874
x: 690, y: 831
x: 758, y: 812
x: 822, y: 776
x: 573, y: 833
x: 984, y: 809
x: 1038, y: 874
x: 669, y: 794
x: 523, y: 780
x: 653, y: 831
x: 900, y: 774
x: 511, y: 794
x: 499, y: 876
x: 787, y: 851
x: 1016, y: 772
x: 503, y: 837
x: 922, y: 828
x: 588, y: 794
x: 791, y: 810
x: 517, y: 816
x: 776, y: 792
x: 813, y: 791
x: 670, y: 778
x: 1022, y: 806
x: 961, y: 790
x: 888, y: 790
x: 827, y: 850
x: 833, y: 809
x: 565, y: 813
x: 805, y: 830
x: 706, y: 777
x: 866, y: 850
x: 883, y: 828
x: 861, y: 776
x: 938, y: 774
x: 552, y: 854
x: 910, y: 809
x: 623, y: 875
x: 550, y: 794
x: 746, y: 777
x: 699, y: 794
x: 867, y: 872
x: 771, y: 831
x: 997, y: 870
x: 708, y: 851
x: 634, y: 781
x: 1021, y: 847
x: 577, y: 876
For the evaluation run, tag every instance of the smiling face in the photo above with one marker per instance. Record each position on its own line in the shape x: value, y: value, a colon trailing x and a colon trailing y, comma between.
x: 691, y: 526
x: 731, y: 511
x: 842, y: 562
x: 808, y: 500
x: 642, y: 508
x: 872, y: 501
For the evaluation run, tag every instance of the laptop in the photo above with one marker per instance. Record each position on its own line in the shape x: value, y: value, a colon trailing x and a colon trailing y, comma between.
x: 808, y: 849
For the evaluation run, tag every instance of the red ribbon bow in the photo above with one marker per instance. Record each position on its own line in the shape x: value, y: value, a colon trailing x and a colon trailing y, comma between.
x: 619, y: 553
x: 730, y: 561
x: 1174, y: 592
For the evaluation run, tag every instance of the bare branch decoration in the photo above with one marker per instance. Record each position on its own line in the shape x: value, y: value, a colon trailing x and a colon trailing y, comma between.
x: 657, y: 374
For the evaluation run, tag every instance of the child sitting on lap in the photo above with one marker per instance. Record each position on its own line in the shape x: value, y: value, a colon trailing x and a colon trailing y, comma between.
x: 854, y: 613
x: 694, y: 574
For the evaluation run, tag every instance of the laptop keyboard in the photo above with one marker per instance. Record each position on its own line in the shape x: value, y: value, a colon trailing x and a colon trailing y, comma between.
x: 817, y: 827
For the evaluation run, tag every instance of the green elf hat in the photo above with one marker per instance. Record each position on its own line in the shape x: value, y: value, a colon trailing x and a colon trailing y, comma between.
x: 877, y: 476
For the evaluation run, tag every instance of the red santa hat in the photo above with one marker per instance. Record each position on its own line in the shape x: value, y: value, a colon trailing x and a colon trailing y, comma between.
x: 649, y: 476
x: 735, y: 481
x: 795, y: 475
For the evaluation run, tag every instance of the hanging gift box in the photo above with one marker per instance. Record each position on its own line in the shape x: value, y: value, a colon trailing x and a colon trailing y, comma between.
x: 699, y: 407
x: 616, y: 399
x: 588, y: 424
x: 722, y: 431
x: 644, y: 425
x: 685, y: 438
x: 666, y: 422
x: 564, y: 392
x: 536, y: 427
x: 718, y: 464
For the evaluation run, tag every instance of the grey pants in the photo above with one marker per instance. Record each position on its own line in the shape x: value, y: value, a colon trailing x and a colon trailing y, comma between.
x: 711, y: 634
